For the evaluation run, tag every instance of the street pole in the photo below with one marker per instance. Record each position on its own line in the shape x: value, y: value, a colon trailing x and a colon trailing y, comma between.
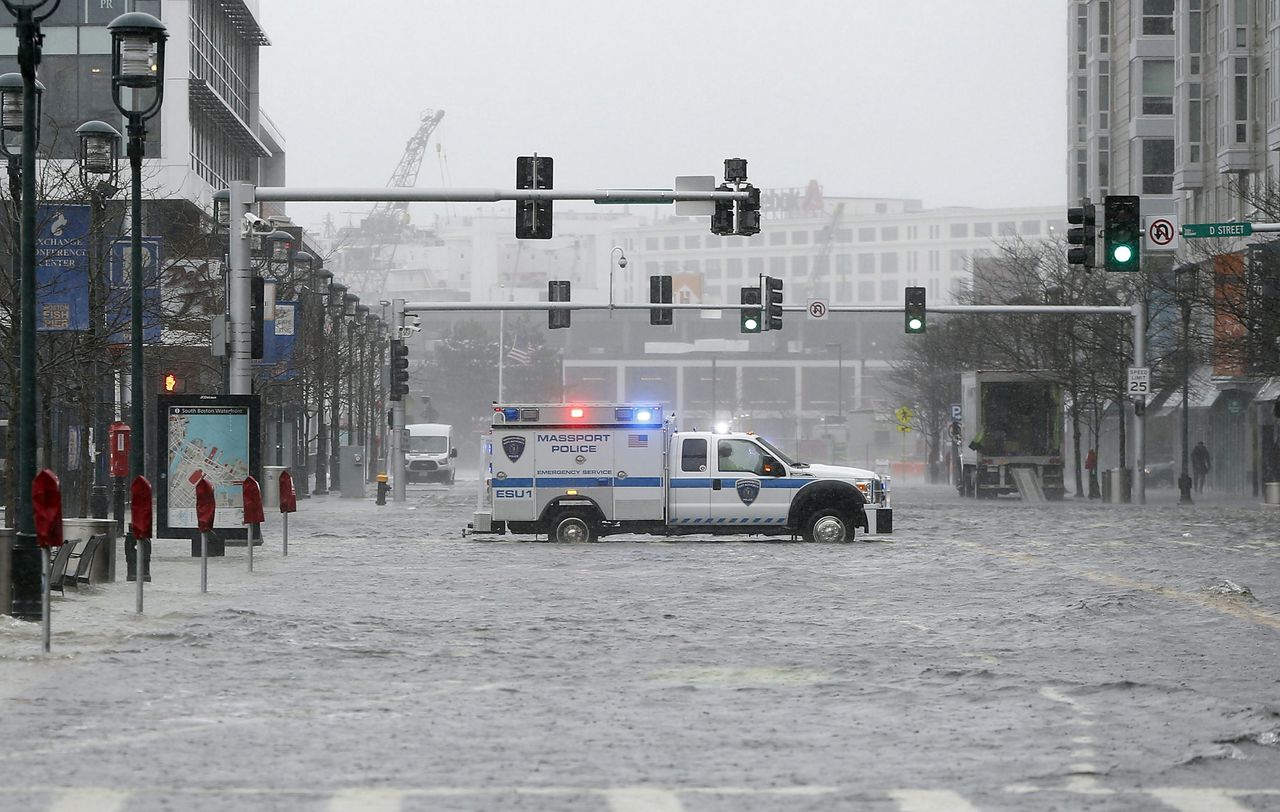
x: 321, y: 294
x: 1185, y: 279
x: 25, y: 558
x: 240, y: 293
x: 397, y: 415
x: 1139, y: 420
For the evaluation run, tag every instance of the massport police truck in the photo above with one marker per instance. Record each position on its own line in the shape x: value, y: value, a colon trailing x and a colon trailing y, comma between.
x: 578, y: 472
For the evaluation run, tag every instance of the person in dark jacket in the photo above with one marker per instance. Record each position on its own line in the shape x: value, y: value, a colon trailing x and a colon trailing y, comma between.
x: 1200, y: 465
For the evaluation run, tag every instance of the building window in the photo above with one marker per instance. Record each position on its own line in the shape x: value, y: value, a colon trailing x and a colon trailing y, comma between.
x: 1007, y: 229
x: 866, y: 235
x: 735, y: 269
x: 1030, y: 228
x: 1241, y: 87
x: 958, y: 259
x: 1157, y: 166
x: 866, y: 263
x: 982, y: 229
x: 799, y: 238
x: 1194, y: 122
x: 1157, y: 87
x: 692, y: 243
x: 888, y: 263
x: 889, y: 290
x: 1157, y: 17
x: 755, y: 266
x: 713, y: 269
x: 844, y: 264
x: 777, y: 266
x: 959, y: 231
x: 889, y: 233
x: 777, y: 238
x: 866, y: 291
x: 651, y: 243
x: 671, y: 243
x: 799, y: 267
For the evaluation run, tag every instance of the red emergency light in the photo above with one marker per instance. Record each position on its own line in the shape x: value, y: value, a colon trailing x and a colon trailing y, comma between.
x: 576, y: 411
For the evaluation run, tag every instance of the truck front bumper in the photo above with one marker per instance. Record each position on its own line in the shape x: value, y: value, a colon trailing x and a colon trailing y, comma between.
x: 879, y: 520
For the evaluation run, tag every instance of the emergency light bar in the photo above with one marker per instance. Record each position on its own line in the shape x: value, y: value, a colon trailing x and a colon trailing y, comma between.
x: 586, y: 414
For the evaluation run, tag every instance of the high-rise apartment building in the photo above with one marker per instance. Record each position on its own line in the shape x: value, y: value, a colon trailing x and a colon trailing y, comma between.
x: 1174, y: 100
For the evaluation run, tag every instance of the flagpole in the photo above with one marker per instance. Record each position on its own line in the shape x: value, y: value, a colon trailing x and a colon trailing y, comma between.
x: 502, y: 341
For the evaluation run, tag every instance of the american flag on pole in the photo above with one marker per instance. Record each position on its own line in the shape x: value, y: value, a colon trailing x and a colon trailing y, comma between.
x: 520, y: 352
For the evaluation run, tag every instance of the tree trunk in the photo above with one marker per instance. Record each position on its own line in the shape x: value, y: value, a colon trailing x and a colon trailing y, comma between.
x: 1075, y: 443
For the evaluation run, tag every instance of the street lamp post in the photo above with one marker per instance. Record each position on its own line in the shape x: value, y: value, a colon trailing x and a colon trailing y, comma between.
x: 137, y: 65
x: 337, y: 308
x: 25, y: 568
x: 1186, y: 280
x: 323, y: 279
x: 99, y: 165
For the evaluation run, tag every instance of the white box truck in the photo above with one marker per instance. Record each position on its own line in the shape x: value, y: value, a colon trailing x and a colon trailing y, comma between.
x: 1011, y: 440
x: 578, y: 472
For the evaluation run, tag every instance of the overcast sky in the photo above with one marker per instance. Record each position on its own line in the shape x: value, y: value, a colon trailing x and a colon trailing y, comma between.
x: 955, y: 103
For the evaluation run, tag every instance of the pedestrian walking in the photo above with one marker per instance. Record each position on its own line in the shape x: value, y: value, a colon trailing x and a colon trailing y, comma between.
x: 1200, y: 465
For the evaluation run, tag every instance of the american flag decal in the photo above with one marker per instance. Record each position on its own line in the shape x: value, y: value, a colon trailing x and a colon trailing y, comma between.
x: 637, y: 441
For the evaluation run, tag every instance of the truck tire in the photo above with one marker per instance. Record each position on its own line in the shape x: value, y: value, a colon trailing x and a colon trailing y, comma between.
x: 828, y: 526
x: 572, y: 527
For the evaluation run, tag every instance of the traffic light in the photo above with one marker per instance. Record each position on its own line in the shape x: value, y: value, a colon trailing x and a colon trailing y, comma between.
x: 533, y: 217
x: 172, y: 383
x: 771, y: 289
x: 399, y: 369
x: 557, y: 291
x: 915, y: 311
x: 1086, y: 236
x: 750, y: 316
x: 1122, y: 231
x: 660, y: 293
x: 722, y: 218
x: 257, y: 306
x: 749, y: 212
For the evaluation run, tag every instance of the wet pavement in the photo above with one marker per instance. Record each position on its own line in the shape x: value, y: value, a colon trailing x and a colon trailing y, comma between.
x: 987, y: 656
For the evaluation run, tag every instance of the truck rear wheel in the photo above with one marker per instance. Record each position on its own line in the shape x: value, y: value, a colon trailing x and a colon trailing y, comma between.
x: 572, y: 528
x: 828, y: 526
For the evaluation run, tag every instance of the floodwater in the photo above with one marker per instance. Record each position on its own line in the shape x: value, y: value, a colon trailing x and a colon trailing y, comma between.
x: 990, y: 655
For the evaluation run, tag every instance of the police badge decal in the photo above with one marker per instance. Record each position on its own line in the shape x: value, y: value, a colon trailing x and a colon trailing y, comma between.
x: 513, y: 447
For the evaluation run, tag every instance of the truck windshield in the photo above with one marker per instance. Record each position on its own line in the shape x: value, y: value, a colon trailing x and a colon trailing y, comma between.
x: 428, y: 445
x: 777, y: 452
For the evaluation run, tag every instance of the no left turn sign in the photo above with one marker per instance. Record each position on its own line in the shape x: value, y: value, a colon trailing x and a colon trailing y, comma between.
x: 1163, y: 233
x: 817, y: 309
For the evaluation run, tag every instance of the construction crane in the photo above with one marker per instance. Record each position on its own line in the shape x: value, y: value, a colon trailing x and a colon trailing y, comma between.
x: 381, y: 230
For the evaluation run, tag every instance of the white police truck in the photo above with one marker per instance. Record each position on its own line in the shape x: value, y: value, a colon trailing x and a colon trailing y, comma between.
x: 578, y: 472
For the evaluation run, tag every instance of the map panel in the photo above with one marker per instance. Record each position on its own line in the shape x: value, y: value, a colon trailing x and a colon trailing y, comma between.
x: 206, y: 436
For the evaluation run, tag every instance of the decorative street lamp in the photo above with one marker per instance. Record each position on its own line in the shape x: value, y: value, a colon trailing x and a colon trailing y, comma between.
x: 137, y: 65
x: 99, y: 170
x: 1186, y: 287
x: 25, y: 558
x: 323, y: 280
x: 337, y: 310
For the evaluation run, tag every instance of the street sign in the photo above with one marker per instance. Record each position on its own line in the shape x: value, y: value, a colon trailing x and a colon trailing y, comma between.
x: 904, y: 415
x: 955, y: 411
x: 1217, y: 230
x: 904, y: 428
x: 695, y: 183
x: 1162, y: 232
x: 817, y: 309
x: 1139, y: 381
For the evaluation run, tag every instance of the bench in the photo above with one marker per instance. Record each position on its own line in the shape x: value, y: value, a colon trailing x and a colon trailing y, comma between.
x: 58, y: 567
x: 84, y: 561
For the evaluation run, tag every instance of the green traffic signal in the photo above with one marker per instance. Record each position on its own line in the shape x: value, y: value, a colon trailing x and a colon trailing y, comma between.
x: 915, y: 310
x: 1122, y: 230
x: 750, y: 316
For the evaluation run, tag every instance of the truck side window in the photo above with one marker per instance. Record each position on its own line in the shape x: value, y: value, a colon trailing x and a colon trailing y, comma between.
x: 693, y: 455
x: 740, y: 455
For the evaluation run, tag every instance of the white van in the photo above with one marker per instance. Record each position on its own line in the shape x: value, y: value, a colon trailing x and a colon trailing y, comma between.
x: 430, y: 455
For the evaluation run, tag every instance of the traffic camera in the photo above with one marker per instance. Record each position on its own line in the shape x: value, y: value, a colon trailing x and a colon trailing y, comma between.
x: 915, y: 311
x: 1122, y: 231
x: 1085, y: 238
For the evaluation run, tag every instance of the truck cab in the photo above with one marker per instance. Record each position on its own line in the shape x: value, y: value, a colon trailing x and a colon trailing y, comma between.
x: 430, y: 455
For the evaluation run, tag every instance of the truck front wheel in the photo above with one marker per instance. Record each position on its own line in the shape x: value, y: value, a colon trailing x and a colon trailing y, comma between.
x: 828, y: 526
x: 572, y: 528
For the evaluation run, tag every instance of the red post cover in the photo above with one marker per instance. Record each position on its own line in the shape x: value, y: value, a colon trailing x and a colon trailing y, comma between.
x: 205, y: 505
x: 288, y: 499
x: 252, y: 501
x: 46, y: 496
x: 140, y: 507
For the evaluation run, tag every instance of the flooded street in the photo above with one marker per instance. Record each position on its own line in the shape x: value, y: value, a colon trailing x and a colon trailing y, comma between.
x: 990, y: 655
